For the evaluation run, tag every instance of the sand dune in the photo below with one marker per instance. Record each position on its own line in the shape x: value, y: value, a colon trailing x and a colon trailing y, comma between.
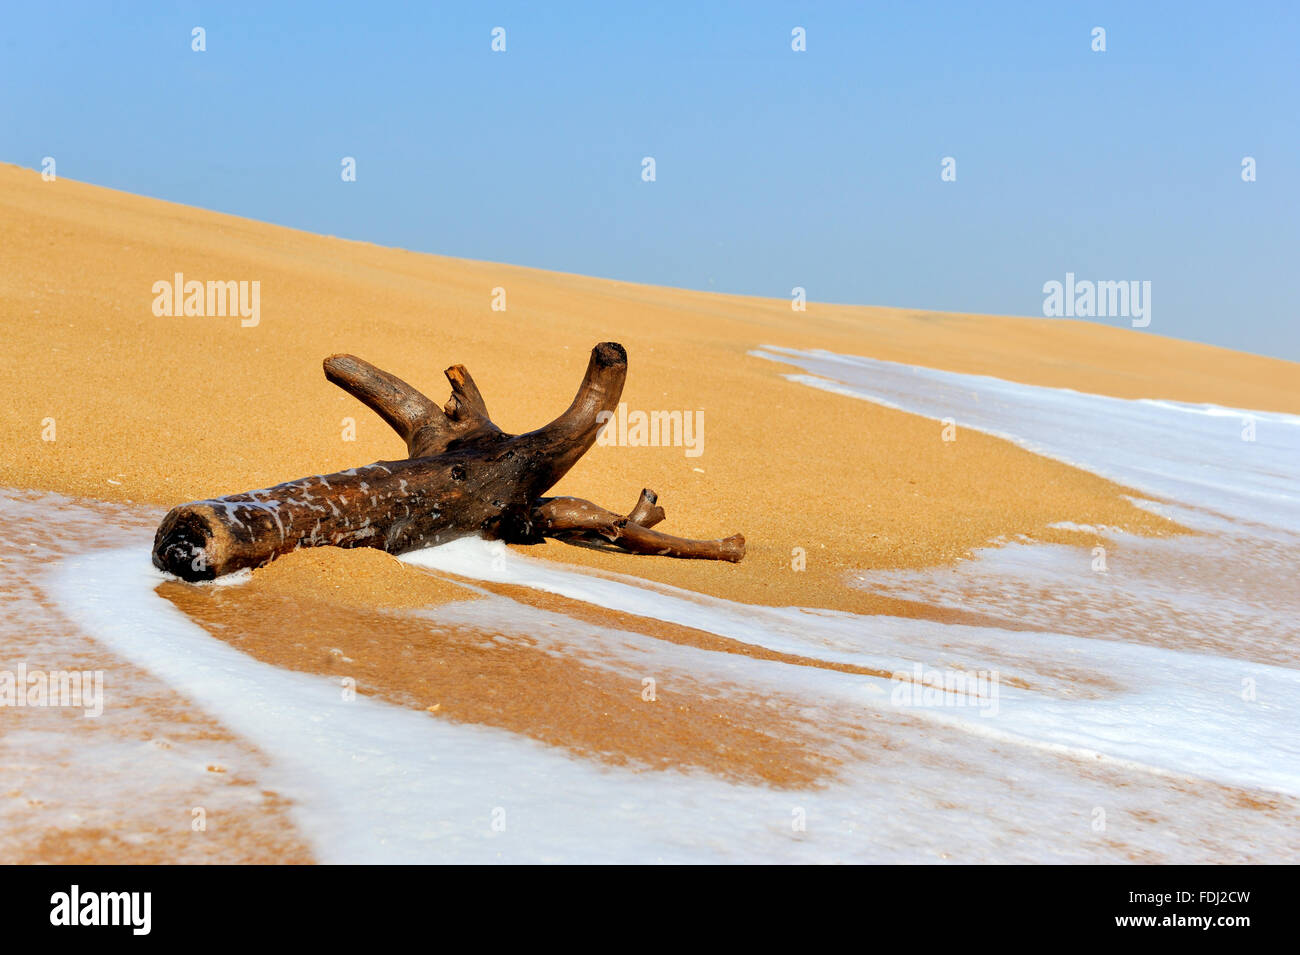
x: 167, y: 409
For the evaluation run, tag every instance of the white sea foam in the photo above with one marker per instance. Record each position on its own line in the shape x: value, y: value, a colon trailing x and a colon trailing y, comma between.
x: 1169, y: 709
x: 375, y: 782
x: 1228, y: 592
x: 1192, y: 454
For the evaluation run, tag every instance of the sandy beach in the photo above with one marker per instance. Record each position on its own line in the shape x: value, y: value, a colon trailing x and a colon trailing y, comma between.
x: 165, y: 410
x: 111, y: 405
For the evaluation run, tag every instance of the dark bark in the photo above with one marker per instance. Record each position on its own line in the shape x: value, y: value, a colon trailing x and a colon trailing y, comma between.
x: 463, y: 476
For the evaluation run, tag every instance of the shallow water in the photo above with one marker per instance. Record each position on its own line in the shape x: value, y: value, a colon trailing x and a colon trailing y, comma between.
x: 139, y: 782
x: 1152, y: 712
x: 1233, y: 476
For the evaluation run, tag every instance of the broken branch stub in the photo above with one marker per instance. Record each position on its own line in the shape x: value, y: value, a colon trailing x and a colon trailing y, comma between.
x: 463, y: 476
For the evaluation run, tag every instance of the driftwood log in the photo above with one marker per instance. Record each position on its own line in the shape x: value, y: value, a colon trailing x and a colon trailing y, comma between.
x: 463, y: 476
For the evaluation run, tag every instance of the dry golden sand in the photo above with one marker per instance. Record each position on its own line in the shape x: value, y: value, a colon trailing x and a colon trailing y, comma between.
x: 166, y: 410
x: 360, y: 578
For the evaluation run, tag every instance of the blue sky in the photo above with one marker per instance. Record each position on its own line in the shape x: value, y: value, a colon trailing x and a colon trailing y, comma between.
x: 775, y: 169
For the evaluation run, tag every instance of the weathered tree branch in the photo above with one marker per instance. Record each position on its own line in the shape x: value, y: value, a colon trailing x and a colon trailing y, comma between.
x: 572, y: 518
x: 463, y: 476
x: 647, y: 512
x: 426, y: 428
